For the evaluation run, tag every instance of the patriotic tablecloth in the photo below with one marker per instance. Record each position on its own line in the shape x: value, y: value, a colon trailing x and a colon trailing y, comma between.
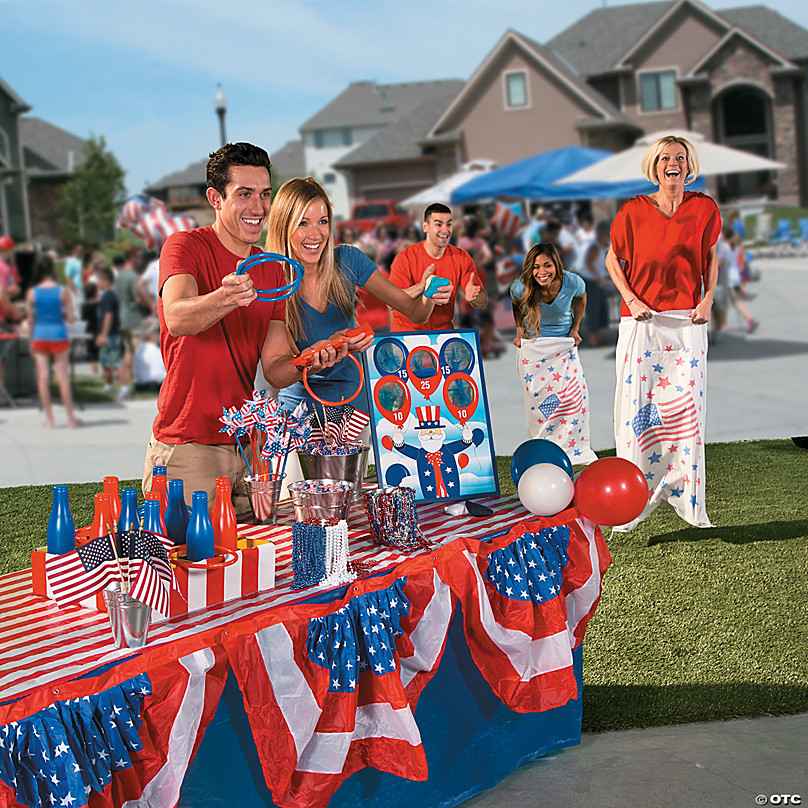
x: 330, y: 679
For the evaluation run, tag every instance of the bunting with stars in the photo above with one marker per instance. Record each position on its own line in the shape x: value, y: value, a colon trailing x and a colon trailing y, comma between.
x: 660, y: 408
x: 556, y: 396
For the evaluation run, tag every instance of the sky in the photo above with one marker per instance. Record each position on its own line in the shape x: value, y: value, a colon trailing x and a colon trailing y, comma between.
x: 143, y: 75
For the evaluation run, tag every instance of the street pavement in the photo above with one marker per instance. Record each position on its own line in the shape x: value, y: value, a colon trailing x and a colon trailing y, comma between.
x: 757, y: 388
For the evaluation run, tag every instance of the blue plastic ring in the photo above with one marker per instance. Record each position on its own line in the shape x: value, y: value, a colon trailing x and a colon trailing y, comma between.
x: 282, y: 292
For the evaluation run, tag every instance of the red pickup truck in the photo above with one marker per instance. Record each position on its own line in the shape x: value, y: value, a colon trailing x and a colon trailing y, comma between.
x: 366, y: 215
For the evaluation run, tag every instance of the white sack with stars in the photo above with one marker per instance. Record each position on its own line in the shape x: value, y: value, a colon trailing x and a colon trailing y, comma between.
x: 556, y: 398
x: 660, y: 409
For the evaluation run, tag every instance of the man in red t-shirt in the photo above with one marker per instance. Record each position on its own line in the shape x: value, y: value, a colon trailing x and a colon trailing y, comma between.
x: 415, y: 265
x: 213, y: 333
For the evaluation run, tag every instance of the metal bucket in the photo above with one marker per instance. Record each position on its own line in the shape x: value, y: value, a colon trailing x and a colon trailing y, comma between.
x: 336, y: 467
x: 128, y: 618
x: 322, y: 507
x: 264, y: 496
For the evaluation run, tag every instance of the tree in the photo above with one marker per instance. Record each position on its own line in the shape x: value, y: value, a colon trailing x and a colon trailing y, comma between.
x: 94, y: 194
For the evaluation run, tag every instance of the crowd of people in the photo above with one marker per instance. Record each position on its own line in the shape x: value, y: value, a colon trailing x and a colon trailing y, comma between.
x: 105, y: 314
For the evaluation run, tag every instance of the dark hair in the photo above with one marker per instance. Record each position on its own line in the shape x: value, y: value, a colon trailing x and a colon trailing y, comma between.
x: 436, y: 207
x: 44, y: 268
x: 552, y: 224
x: 106, y: 273
x: 534, y: 294
x: 90, y: 290
x: 118, y: 261
x: 234, y: 154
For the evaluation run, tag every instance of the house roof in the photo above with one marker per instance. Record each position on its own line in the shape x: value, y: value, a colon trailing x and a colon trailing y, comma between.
x: 776, y: 32
x: 48, y: 149
x: 22, y: 106
x: 288, y: 161
x: 365, y: 103
x: 194, y: 174
x: 402, y: 141
x: 598, y: 42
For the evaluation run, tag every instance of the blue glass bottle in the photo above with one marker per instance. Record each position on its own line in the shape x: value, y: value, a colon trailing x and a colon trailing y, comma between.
x: 151, y: 517
x: 61, y: 527
x: 199, y: 535
x: 128, y: 515
x: 176, y: 512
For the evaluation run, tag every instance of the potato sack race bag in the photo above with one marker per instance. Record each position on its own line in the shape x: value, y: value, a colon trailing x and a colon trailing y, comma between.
x: 556, y: 398
x: 660, y: 409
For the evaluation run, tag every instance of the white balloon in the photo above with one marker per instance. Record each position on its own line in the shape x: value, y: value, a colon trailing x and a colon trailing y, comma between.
x: 545, y: 489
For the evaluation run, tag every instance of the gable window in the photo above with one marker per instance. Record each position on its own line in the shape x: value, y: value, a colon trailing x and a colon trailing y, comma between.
x: 658, y: 91
x: 516, y: 90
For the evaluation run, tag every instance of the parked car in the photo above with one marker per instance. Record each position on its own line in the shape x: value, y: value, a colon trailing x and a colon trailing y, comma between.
x: 366, y: 215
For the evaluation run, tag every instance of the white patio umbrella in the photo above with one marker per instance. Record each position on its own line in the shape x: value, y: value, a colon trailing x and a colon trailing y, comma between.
x: 715, y: 159
x: 442, y: 191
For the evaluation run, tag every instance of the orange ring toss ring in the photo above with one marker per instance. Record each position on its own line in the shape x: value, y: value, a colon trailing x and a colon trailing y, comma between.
x: 209, y: 563
x: 335, y: 403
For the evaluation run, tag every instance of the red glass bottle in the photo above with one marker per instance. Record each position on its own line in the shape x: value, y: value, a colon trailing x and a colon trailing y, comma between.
x: 160, y: 486
x: 223, y: 516
x: 102, y: 519
x: 111, y: 490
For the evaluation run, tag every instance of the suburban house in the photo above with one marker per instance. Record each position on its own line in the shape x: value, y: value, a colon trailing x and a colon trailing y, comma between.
x: 367, y: 119
x: 737, y: 76
x: 184, y: 191
x: 36, y: 160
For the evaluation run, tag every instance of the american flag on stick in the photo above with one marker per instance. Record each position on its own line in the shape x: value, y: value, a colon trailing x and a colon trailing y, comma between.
x: 143, y: 563
x: 83, y: 572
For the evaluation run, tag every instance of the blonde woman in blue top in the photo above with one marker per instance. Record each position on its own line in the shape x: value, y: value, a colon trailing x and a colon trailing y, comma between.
x: 547, y: 302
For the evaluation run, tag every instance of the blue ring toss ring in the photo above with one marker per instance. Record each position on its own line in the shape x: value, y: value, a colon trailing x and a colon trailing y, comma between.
x: 282, y: 292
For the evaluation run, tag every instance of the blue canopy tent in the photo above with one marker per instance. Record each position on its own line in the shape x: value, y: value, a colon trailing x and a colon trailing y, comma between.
x: 534, y: 178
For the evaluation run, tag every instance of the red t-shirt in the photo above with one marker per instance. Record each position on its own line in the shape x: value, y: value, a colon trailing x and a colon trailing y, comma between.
x: 201, y: 374
x: 666, y: 257
x: 408, y: 268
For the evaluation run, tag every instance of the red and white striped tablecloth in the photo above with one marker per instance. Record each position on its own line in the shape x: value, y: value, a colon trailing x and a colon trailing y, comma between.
x: 42, y: 645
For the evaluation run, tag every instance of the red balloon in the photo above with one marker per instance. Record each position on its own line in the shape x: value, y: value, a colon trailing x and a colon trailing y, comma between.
x: 611, y: 491
x: 387, y: 442
x: 396, y: 417
x: 462, y: 461
x: 425, y: 375
x: 462, y: 412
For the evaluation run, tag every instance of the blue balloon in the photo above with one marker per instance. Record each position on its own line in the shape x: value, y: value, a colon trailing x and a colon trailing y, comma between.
x: 538, y: 450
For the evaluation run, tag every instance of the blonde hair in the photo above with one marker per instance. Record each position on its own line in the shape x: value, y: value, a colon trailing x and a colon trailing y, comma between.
x: 532, y: 296
x: 288, y: 208
x: 651, y: 158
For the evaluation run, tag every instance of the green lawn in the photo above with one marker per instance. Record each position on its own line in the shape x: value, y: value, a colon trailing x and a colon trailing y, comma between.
x: 693, y: 624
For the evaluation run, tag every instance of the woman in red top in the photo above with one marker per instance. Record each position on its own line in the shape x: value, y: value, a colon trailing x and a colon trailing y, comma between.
x: 662, y: 250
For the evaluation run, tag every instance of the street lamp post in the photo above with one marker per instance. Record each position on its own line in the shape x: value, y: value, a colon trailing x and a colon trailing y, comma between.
x: 220, y: 105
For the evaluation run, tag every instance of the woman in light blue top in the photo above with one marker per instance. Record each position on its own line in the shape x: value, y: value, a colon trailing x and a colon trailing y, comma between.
x: 547, y: 302
x: 50, y: 309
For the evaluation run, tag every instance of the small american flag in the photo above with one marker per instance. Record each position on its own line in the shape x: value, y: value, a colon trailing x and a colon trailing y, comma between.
x: 567, y: 402
x: 674, y: 420
x: 150, y: 571
x: 83, y: 572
